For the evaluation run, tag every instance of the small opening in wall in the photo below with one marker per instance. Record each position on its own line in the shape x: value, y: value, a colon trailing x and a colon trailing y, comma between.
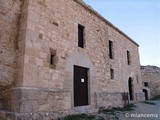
x: 53, y: 59
x: 110, y: 49
x: 80, y: 36
x: 112, y: 73
x: 146, y: 84
x: 128, y: 57
x: 41, y: 36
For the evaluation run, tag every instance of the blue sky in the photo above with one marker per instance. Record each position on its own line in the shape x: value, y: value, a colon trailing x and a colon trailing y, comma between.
x: 139, y: 19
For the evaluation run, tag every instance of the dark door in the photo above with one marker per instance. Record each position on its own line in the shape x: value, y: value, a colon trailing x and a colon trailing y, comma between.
x: 130, y: 88
x: 80, y: 86
x: 146, y: 94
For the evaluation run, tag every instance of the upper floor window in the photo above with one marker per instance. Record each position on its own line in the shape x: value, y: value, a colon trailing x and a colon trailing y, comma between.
x: 146, y: 84
x: 128, y: 58
x: 80, y: 36
x: 110, y: 49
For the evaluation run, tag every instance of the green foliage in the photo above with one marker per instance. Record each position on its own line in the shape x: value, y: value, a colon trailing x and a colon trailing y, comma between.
x: 129, y: 107
x: 112, y: 111
x: 109, y: 111
x: 79, y: 117
x: 100, y: 118
x: 82, y: 117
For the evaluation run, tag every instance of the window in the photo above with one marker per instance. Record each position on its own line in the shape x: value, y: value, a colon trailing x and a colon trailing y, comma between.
x: 128, y: 58
x: 112, y: 73
x: 80, y: 36
x: 111, y: 49
x: 146, y: 84
x: 53, y: 59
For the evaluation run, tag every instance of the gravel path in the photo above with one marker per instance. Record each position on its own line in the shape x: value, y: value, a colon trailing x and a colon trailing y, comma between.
x: 142, y: 111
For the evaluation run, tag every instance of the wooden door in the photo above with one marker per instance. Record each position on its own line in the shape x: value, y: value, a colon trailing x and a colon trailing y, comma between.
x: 146, y: 94
x: 80, y: 86
x: 130, y: 85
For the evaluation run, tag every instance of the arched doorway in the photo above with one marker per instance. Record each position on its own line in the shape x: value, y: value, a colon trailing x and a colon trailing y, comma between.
x: 80, y: 80
x: 130, y: 86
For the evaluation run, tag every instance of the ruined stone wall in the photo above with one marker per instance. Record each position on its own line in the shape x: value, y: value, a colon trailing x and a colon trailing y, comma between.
x: 9, y: 26
x: 151, y: 74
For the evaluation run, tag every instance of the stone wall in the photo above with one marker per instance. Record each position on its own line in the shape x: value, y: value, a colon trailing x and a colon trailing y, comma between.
x: 32, y: 116
x: 56, y: 28
x: 9, y: 26
x: 115, y: 100
x: 38, y: 100
x: 151, y: 74
x: 48, y: 26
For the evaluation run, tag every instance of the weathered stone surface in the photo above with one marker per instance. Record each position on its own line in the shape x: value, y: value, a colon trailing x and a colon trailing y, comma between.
x: 151, y: 75
x: 46, y: 35
x: 9, y: 27
x: 40, y: 100
x: 31, y: 116
x: 114, y: 98
x: 9, y: 21
x: 47, y: 25
x: 5, y: 97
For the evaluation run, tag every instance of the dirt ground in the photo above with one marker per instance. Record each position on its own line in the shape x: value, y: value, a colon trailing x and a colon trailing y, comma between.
x: 147, y: 110
x: 142, y: 111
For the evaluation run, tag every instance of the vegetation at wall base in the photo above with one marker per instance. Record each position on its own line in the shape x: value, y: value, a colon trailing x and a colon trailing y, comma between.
x: 83, y: 117
x: 112, y: 111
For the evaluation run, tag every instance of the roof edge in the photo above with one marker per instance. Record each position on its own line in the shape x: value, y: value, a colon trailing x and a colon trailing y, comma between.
x: 104, y: 19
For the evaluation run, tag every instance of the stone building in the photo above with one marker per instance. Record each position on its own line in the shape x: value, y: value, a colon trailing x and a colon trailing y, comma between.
x: 151, y: 81
x: 59, y: 57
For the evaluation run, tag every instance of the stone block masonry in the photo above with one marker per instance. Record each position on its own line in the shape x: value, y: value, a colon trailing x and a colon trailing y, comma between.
x: 10, y: 11
x: 151, y: 80
x: 39, y: 100
x: 39, y: 48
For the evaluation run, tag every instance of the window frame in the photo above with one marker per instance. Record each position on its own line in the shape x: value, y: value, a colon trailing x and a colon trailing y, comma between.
x: 145, y: 84
x: 112, y: 74
x: 111, y: 54
x: 53, y: 58
x: 128, y: 57
x: 81, y: 41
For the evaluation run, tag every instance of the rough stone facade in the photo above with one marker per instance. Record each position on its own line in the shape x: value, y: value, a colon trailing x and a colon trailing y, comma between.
x: 33, y: 30
x: 151, y: 76
x: 9, y: 26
